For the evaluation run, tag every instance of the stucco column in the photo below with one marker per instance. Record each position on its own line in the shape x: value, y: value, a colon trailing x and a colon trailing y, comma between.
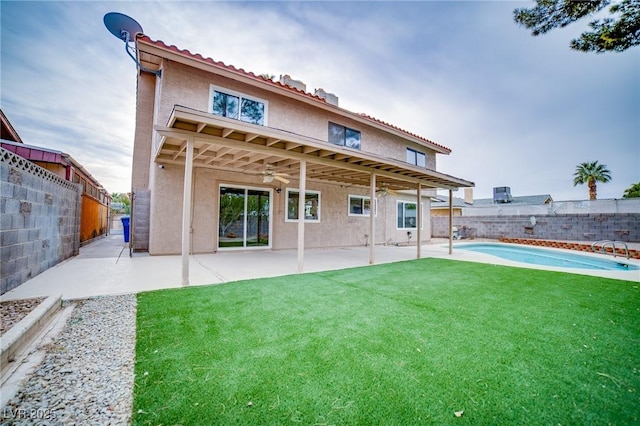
x: 372, y: 221
x: 301, y: 213
x: 419, y: 230
x: 450, y: 221
x: 186, y: 211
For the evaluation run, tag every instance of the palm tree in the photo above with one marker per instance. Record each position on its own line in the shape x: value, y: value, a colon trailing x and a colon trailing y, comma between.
x: 590, y: 173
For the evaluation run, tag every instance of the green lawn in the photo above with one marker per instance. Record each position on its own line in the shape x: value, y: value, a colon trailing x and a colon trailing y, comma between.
x: 397, y: 344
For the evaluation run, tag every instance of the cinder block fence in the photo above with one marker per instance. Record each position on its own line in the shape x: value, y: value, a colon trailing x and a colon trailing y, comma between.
x: 40, y: 220
x: 565, y: 227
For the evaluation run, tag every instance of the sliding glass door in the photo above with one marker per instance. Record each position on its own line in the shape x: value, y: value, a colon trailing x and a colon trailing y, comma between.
x: 244, y: 217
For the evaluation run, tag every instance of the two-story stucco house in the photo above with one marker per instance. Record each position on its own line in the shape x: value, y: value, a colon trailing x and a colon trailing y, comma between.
x: 226, y: 160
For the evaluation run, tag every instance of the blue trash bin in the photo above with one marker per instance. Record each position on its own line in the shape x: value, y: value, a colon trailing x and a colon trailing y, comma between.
x: 125, y: 225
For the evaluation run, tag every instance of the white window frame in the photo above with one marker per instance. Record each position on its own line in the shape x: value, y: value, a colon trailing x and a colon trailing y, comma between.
x: 271, y: 216
x: 241, y: 96
x: 307, y: 192
x: 416, y: 204
x: 362, y: 197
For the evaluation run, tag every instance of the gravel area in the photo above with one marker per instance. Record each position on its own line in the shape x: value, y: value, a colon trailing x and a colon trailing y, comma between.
x: 12, y: 311
x: 87, y: 373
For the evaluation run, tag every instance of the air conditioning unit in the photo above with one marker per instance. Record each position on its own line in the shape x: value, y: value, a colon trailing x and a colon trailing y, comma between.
x: 502, y: 194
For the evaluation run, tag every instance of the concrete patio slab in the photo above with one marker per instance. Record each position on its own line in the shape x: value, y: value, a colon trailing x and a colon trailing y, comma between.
x: 104, y: 267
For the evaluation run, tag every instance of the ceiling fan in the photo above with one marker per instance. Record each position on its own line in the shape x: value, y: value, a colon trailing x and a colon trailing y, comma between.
x: 270, y: 174
x: 383, y: 191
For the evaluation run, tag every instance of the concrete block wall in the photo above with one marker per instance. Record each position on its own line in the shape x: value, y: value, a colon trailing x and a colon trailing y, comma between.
x: 566, y: 227
x: 40, y: 220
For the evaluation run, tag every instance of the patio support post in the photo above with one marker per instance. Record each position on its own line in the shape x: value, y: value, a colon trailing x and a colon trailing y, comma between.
x: 450, y: 221
x: 419, y: 230
x: 372, y: 220
x: 186, y: 211
x: 301, y: 213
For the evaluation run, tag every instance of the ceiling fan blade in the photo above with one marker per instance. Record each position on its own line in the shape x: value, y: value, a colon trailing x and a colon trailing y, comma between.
x: 281, y: 179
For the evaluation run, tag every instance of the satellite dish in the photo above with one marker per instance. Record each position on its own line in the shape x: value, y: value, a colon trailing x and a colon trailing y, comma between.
x: 122, y: 26
x: 125, y: 28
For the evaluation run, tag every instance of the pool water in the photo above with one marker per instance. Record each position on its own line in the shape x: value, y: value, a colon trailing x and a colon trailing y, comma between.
x: 537, y: 256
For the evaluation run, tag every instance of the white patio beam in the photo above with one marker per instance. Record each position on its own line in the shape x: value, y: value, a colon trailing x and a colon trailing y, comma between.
x: 217, y: 140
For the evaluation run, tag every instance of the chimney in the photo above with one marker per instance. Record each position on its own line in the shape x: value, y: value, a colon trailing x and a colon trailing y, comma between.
x: 296, y: 84
x: 468, y: 196
x: 329, y: 97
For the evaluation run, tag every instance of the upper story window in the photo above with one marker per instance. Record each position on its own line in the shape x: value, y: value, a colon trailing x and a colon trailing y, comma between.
x: 340, y: 135
x: 416, y: 157
x: 238, y: 106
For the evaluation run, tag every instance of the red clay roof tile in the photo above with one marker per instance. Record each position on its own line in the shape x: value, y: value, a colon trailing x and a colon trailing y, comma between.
x: 219, y: 64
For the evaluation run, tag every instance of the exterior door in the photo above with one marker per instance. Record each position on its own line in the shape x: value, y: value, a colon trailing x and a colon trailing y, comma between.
x: 244, y: 217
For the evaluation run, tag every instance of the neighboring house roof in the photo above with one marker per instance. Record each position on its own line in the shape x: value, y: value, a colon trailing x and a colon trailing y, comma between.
x: 141, y: 38
x: 46, y: 155
x: 442, y: 201
x: 34, y: 153
x: 526, y: 199
x: 8, y: 132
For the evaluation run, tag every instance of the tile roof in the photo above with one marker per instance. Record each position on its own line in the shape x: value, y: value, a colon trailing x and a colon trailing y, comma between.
x: 260, y: 78
x: 443, y: 202
x: 532, y: 200
x: 368, y: 117
x: 525, y: 199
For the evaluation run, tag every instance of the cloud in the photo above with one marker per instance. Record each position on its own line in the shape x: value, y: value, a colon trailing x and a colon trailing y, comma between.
x: 517, y: 110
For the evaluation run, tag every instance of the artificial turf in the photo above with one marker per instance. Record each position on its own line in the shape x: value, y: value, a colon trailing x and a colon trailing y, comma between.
x: 404, y: 343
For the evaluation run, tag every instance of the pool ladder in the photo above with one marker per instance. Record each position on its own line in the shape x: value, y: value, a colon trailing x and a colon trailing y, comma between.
x: 603, y: 244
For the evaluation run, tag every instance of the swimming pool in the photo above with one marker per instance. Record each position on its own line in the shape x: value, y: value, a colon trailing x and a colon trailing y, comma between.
x: 538, y: 256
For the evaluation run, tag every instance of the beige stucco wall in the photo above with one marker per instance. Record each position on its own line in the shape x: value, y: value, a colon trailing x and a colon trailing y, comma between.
x: 335, y: 229
x: 181, y: 85
x: 144, y: 130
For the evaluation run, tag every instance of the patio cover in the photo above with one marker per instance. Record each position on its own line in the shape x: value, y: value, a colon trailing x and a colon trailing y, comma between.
x: 199, y: 139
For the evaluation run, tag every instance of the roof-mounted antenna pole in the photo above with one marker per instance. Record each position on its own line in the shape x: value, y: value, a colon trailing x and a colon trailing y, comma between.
x: 122, y: 27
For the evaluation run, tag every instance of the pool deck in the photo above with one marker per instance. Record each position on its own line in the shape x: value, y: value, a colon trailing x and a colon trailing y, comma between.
x: 104, y: 267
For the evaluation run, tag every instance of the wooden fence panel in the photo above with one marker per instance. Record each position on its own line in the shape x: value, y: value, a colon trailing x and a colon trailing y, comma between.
x: 93, y: 220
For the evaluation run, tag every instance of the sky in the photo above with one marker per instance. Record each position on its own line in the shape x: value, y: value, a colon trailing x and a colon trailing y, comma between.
x: 515, y: 110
